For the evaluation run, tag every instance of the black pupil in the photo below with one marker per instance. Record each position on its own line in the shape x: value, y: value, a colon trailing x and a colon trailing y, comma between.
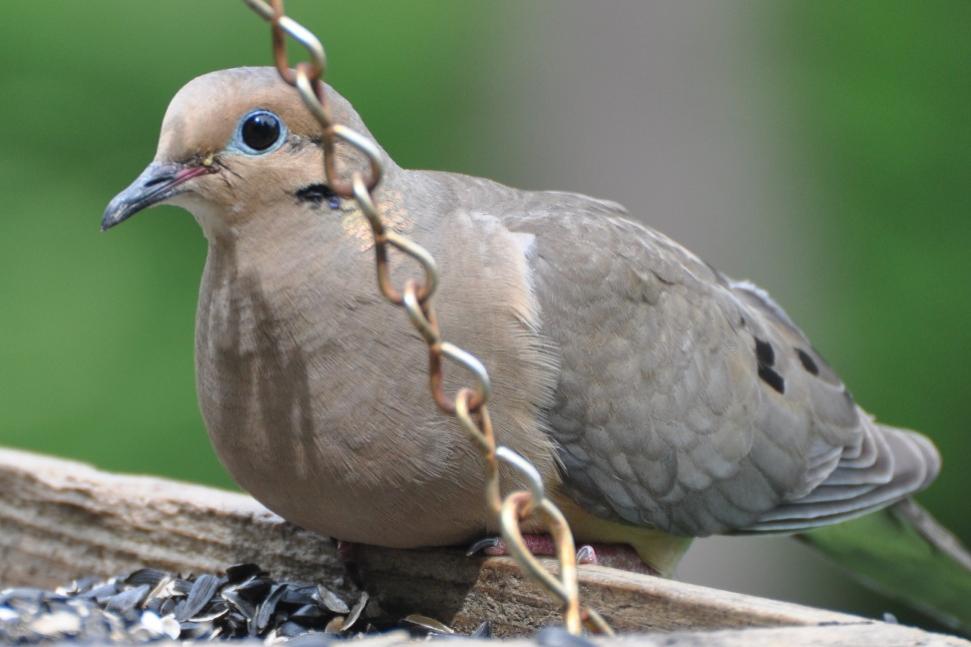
x: 261, y: 131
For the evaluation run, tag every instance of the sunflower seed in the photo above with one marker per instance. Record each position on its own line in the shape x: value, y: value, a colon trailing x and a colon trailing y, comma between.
x: 159, y: 627
x: 238, y: 604
x: 163, y: 588
x: 181, y: 586
x: 331, y: 602
x: 242, y: 572
x: 254, y: 589
x: 268, y: 607
x: 355, y: 612
x: 234, y: 625
x: 22, y: 594
x: 199, y: 596
x: 484, y: 630
x: 58, y: 624
x: 309, y: 614
x: 168, y: 606
x: 429, y: 624
x: 291, y: 630
x: 216, y: 609
x: 77, y: 586
x: 195, y: 630
x: 100, y: 592
x: 127, y: 600
x: 300, y: 595
x: 150, y: 605
x: 148, y: 576
x: 336, y: 625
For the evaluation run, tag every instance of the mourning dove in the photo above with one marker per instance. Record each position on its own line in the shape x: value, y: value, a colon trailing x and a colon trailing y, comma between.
x: 659, y: 399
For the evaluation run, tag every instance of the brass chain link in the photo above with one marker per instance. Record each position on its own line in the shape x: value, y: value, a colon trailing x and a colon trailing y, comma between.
x: 469, y: 405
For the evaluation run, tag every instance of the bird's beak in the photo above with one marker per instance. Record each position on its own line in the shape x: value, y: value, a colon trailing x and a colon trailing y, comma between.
x: 157, y: 183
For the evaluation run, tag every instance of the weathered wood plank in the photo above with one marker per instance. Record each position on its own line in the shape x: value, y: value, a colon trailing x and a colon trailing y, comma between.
x: 445, y: 583
x: 61, y: 519
x: 865, y: 635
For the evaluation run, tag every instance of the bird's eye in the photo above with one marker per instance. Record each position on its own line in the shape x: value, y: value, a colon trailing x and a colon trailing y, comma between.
x: 260, y: 132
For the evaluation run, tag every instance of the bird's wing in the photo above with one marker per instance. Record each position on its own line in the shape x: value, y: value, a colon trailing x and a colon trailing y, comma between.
x: 690, y: 402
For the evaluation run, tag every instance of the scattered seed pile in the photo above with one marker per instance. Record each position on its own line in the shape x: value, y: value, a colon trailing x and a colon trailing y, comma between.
x: 151, y: 605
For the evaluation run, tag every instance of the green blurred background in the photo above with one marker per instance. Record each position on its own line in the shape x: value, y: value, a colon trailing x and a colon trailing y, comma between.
x: 868, y: 102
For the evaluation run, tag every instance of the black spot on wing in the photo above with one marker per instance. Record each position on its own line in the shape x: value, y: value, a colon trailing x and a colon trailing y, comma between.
x: 765, y: 358
x: 772, y: 378
x: 808, y: 362
x: 764, y: 353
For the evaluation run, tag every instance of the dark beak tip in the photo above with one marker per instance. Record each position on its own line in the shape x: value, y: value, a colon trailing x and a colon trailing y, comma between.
x: 114, y: 214
x: 154, y: 185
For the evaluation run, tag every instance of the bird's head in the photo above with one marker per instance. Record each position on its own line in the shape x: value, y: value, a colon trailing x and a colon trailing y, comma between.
x: 232, y: 143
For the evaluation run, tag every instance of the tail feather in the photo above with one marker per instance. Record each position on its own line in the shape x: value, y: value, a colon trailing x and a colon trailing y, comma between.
x: 890, y: 465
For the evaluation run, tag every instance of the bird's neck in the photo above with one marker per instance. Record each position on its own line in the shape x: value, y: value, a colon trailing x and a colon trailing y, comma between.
x: 293, y: 278
x: 264, y: 272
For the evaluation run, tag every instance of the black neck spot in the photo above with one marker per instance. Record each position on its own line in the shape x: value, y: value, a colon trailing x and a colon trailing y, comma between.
x: 315, y: 194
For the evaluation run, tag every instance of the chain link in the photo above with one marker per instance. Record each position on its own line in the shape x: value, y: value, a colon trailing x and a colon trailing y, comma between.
x: 469, y: 404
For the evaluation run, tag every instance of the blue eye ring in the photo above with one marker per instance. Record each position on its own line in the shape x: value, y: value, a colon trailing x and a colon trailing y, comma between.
x: 259, y: 132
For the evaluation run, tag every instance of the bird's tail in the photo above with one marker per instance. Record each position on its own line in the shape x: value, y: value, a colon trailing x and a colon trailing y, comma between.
x: 903, y: 552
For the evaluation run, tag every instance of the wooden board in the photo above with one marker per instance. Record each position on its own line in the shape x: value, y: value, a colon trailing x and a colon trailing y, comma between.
x: 61, y: 519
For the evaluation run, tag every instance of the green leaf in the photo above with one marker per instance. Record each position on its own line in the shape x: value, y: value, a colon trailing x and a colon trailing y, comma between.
x: 905, y: 554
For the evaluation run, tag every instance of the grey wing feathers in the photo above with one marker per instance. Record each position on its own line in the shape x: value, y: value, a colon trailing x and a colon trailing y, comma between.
x: 879, y: 464
x: 692, y: 403
x: 905, y: 463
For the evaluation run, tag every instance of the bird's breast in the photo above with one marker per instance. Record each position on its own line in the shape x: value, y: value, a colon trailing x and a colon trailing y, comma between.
x: 314, y: 394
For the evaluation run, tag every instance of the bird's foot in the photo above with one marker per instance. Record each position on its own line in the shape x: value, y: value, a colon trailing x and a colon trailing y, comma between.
x: 536, y: 544
x: 619, y: 556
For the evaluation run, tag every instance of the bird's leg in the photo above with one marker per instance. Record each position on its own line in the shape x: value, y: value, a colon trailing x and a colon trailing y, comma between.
x: 619, y: 556
x: 347, y: 553
x: 346, y: 550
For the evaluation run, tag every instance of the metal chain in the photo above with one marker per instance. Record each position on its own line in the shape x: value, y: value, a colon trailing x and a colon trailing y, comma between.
x: 469, y: 404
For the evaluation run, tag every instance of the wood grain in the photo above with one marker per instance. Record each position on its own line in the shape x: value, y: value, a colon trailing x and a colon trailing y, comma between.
x: 61, y: 519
